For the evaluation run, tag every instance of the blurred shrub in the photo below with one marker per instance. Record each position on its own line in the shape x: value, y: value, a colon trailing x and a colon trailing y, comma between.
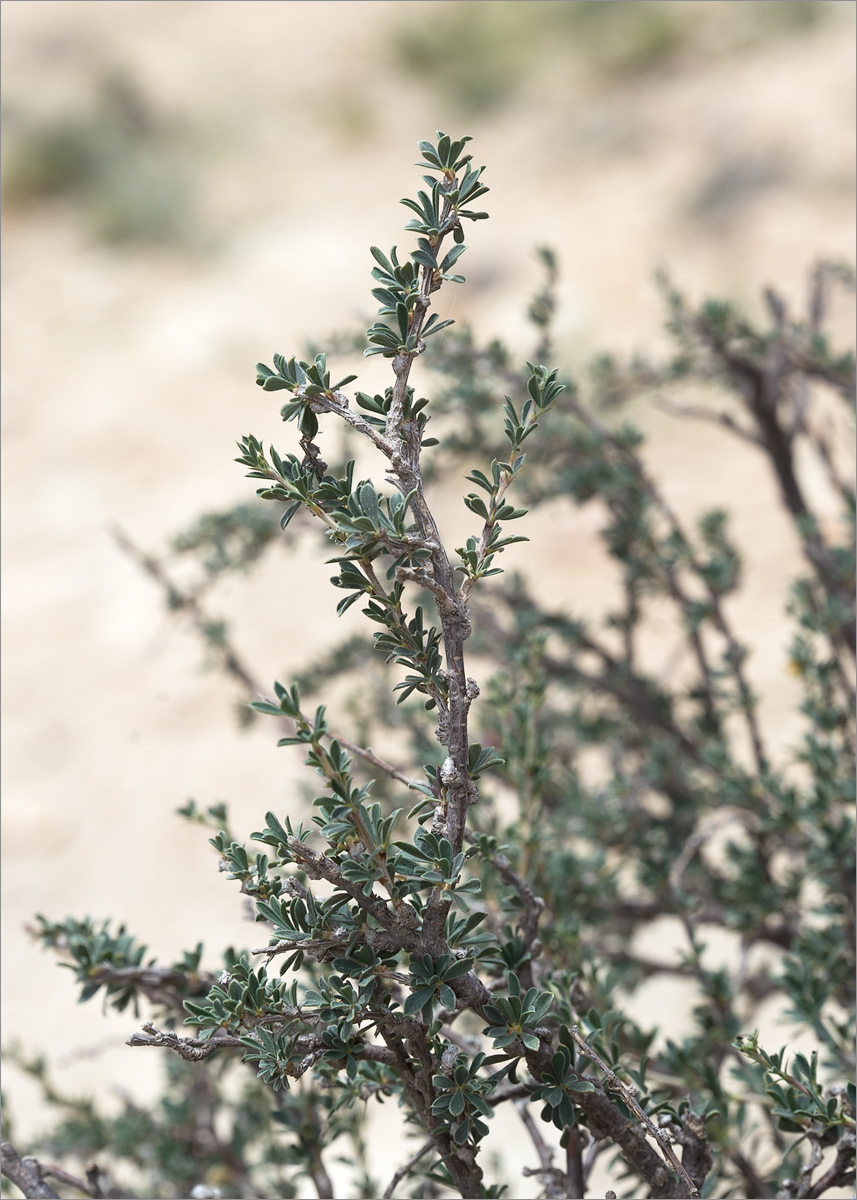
x: 637, y: 825
x: 114, y: 162
x: 624, y: 39
x: 478, y: 55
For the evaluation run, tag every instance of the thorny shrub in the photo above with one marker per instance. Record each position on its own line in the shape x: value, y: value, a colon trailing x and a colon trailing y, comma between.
x: 465, y: 932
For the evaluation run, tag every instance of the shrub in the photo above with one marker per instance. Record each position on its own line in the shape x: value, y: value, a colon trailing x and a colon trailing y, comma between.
x: 465, y: 933
x: 115, y: 161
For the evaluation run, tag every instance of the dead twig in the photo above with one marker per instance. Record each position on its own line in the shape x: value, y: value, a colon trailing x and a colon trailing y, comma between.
x: 629, y: 1096
x: 191, y: 1049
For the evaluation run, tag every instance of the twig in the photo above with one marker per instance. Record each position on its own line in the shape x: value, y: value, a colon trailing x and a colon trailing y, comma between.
x: 542, y: 1148
x: 320, y: 948
x: 231, y: 662
x: 533, y: 906
x: 696, y: 1157
x: 369, y: 756
x: 698, y: 412
x: 755, y: 1184
x: 575, y: 1173
x: 320, y: 1178
x: 508, y: 1091
x: 553, y: 1179
x: 26, y: 1174
x: 629, y: 1096
x: 187, y: 602
x: 338, y: 403
x: 698, y: 839
x: 470, y: 1044
x: 806, y: 1171
x: 160, y: 985
x: 90, y: 1188
x: 841, y: 1173
x: 318, y: 866
x: 191, y: 1049
x: 403, y: 1171
x: 822, y: 448
x: 733, y: 650
x: 595, y: 1148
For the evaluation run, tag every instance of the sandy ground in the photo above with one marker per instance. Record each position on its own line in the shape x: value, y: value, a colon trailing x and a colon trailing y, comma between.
x: 127, y: 376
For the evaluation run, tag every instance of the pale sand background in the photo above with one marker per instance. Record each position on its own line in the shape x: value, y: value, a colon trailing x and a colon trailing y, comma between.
x: 127, y: 377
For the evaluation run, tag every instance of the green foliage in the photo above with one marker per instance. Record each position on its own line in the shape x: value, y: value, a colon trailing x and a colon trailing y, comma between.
x: 800, y: 1101
x: 559, y: 1084
x: 461, y: 1102
x: 430, y: 978
x: 566, y: 813
x: 240, y: 994
x: 518, y: 1017
x: 114, y: 962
